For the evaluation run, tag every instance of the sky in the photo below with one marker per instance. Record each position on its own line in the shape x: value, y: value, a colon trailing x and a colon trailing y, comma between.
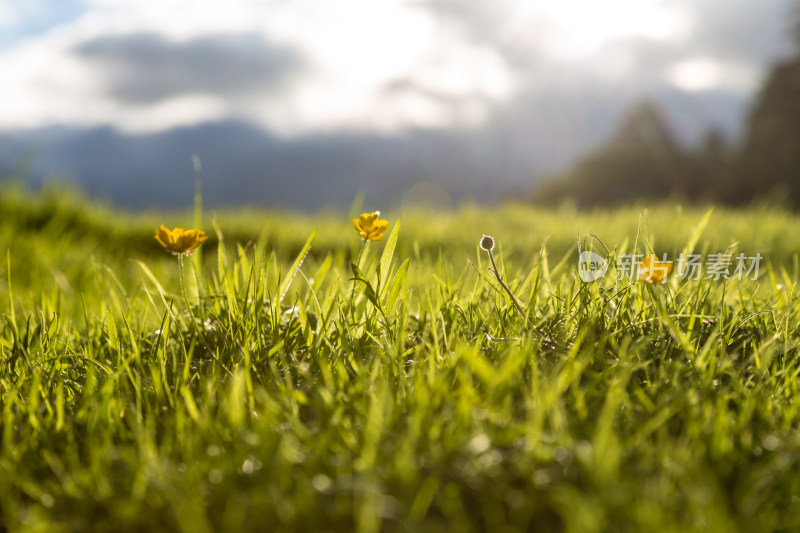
x: 558, y: 73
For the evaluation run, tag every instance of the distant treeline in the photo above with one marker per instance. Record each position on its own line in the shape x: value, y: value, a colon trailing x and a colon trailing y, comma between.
x: 643, y: 160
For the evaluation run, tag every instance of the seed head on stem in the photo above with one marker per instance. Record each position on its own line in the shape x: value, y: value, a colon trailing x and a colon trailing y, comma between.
x: 487, y: 243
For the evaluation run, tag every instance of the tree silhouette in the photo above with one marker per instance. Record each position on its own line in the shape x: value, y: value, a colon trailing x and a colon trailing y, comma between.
x: 769, y: 164
x: 642, y: 160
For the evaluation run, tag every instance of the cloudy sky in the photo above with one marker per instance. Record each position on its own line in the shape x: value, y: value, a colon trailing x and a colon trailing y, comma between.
x: 509, y: 72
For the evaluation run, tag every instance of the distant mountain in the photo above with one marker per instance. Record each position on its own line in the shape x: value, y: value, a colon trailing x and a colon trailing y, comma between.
x: 245, y: 165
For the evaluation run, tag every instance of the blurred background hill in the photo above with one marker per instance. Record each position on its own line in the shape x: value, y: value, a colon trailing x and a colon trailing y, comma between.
x: 644, y: 159
x: 303, y: 104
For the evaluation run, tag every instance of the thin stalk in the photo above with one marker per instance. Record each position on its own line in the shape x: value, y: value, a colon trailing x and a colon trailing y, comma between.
x: 358, y: 264
x: 546, y: 341
x: 186, y: 298
x: 505, y: 287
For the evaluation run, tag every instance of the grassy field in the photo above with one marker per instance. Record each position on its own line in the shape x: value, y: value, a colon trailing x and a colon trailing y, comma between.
x: 265, y: 390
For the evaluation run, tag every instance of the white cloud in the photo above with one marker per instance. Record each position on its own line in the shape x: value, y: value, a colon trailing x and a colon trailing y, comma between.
x: 366, y: 64
x: 578, y: 28
x: 360, y: 47
x: 8, y: 16
x: 353, y: 50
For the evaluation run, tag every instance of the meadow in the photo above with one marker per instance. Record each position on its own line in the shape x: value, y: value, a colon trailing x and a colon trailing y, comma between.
x: 264, y: 384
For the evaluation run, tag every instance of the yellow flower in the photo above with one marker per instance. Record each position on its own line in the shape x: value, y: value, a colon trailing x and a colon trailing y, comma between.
x: 652, y: 271
x: 370, y: 226
x: 179, y: 240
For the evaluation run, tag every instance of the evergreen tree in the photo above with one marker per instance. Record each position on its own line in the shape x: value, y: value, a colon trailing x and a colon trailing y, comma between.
x: 770, y: 160
x: 642, y: 160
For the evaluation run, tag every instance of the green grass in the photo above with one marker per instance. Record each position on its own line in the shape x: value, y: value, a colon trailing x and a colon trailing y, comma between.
x: 276, y: 401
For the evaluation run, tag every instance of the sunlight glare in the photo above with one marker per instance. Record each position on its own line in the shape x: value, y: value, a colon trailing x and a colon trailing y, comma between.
x: 695, y: 74
x: 577, y: 28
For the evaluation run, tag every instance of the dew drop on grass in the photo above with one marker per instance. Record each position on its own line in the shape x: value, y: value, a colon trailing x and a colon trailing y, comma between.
x: 47, y: 500
x: 541, y: 478
x: 214, y: 476
x: 515, y: 498
x: 387, y: 507
x: 490, y: 459
x: 561, y: 455
x: 251, y: 464
x: 771, y: 443
x: 321, y: 482
x: 479, y: 444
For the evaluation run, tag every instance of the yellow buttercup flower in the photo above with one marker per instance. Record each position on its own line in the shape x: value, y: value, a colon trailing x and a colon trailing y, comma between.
x: 179, y: 240
x: 371, y: 226
x: 653, y: 271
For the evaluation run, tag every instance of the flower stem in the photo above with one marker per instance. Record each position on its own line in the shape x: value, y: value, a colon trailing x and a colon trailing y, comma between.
x: 185, y: 297
x: 505, y: 287
x: 180, y: 275
x: 358, y: 264
x: 546, y: 340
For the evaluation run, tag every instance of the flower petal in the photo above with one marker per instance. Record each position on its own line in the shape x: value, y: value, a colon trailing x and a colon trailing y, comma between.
x: 163, y: 236
x: 380, y: 226
x: 180, y: 240
x: 653, y: 271
x: 367, y: 221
